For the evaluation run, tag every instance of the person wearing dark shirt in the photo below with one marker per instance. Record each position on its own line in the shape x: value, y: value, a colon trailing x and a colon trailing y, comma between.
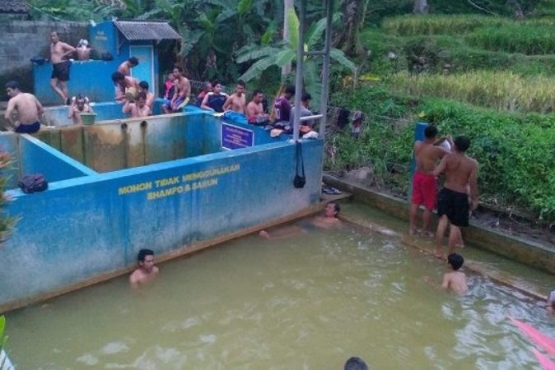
x: 282, y: 106
x: 215, y: 100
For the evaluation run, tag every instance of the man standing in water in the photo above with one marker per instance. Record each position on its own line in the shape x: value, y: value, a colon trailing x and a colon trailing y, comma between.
x: 59, y: 51
x: 453, y: 205
x: 424, y: 183
x: 28, y: 108
x: 146, y: 272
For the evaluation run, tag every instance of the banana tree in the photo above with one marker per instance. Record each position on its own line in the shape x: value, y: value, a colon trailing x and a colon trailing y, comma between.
x: 283, y: 53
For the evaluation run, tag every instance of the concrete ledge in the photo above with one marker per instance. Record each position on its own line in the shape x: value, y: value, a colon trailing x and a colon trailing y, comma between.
x: 529, y: 253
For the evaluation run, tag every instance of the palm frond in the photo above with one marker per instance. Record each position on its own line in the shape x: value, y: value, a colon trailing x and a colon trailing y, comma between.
x: 284, y: 57
x: 340, y: 57
x: 293, y: 28
x: 316, y: 31
x: 255, y: 71
x: 255, y: 53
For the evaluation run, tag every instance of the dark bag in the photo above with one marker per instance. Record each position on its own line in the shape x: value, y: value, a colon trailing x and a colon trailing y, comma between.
x: 106, y: 57
x: 300, y: 180
x: 33, y: 183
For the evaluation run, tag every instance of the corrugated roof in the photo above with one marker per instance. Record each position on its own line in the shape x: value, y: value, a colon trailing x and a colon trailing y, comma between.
x: 147, y: 30
x: 14, y: 6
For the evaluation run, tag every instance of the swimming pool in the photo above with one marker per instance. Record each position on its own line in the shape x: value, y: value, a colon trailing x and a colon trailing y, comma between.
x: 308, y: 302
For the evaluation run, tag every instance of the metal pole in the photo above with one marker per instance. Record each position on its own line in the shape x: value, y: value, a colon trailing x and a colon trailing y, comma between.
x: 326, y: 69
x: 299, y: 71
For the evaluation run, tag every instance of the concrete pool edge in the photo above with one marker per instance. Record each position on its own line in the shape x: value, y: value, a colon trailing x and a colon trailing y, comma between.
x: 518, y: 249
x: 183, y: 251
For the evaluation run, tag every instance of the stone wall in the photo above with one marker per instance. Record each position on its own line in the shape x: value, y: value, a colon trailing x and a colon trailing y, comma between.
x: 22, y: 40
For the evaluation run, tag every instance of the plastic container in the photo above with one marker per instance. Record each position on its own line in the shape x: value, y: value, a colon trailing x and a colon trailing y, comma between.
x: 88, y: 118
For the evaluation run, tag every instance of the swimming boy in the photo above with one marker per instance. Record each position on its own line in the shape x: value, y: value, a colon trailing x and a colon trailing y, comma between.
x: 455, y: 279
x: 146, y: 272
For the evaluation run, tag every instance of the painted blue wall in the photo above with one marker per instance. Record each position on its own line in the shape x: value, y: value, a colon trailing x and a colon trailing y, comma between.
x: 83, y: 227
x: 93, y: 78
x: 37, y: 157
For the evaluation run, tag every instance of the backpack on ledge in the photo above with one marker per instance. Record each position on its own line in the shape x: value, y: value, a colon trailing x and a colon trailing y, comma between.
x: 33, y: 183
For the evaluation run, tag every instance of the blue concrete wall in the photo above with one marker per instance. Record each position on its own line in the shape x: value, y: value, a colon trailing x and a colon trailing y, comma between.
x: 37, y: 157
x: 92, y: 78
x: 86, y: 226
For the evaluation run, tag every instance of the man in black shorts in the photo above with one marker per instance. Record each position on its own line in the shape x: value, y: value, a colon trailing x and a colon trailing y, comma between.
x: 461, y: 174
x: 59, y: 54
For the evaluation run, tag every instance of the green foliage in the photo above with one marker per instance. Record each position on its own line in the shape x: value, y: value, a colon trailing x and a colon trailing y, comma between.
x: 3, y: 340
x: 409, y: 25
x: 524, y: 38
x: 515, y: 152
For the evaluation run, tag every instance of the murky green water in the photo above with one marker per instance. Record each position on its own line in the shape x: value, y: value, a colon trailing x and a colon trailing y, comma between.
x: 308, y: 302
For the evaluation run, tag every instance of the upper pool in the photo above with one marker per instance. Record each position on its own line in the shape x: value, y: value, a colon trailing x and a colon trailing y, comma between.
x: 307, y: 302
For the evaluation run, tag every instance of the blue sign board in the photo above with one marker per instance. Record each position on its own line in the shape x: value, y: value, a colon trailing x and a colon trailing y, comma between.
x: 235, y: 137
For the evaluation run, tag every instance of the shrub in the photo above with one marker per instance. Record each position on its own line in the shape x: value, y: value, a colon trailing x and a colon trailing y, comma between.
x: 410, y: 25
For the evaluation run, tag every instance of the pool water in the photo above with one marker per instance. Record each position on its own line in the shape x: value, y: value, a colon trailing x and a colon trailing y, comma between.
x: 307, y: 302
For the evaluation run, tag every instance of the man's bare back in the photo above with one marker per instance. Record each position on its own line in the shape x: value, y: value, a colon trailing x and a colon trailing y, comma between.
x: 460, y: 172
x: 427, y: 155
x: 456, y: 281
x: 27, y: 106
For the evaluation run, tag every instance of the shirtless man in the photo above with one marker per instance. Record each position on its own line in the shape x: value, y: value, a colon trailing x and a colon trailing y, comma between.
x: 59, y: 52
x: 182, y: 92
x: 424, y: 183
x: 125, y: 85
x: 328, y: 220
x: 255, y: 110
x: 79, y: 104
x: 143, y: 87
x: 125, y: 67
x: 237, y: 101
x: 146, y: 272
x: 28, y: 108
x: 137, y: 108
x: 453, y: 205
x: 455, y: 279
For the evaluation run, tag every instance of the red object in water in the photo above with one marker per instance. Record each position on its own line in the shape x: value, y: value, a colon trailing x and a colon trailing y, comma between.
x: 541, y: 339
x: 544, y: 361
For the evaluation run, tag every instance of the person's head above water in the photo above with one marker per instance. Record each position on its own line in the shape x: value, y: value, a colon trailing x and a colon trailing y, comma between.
x: 146, y: 259
x: 332, y: 209
x: 355, y: 363
x: 455, y: 260
x: 430, y: 132
x: 462, y: 143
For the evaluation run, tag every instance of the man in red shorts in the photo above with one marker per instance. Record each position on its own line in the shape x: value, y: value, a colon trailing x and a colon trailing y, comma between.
x: 424, y: 183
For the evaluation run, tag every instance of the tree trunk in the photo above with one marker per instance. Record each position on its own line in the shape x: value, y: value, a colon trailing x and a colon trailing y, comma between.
x: 353, y: 15
x: 286, y: 69
x: 421, y: 7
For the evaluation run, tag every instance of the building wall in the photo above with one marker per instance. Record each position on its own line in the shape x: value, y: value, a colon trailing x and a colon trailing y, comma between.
x: 22, y: 40
x: 84, y: 228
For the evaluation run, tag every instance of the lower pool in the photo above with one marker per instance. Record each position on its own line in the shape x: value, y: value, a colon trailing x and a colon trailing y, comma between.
x: 307, y: 302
